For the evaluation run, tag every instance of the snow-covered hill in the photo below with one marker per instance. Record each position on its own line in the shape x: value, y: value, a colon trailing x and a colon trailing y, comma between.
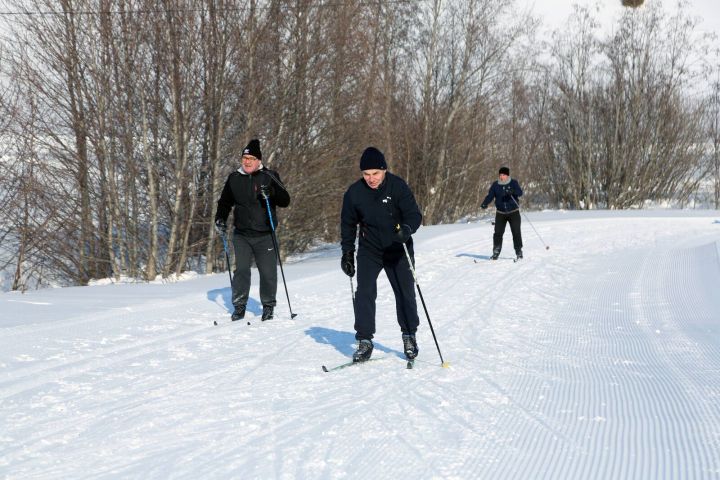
x: 598, y: 358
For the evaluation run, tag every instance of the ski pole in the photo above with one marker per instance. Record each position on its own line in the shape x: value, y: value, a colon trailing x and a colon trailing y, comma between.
x: 485, y: 216
x: 417, y: 284
x: 352, y: 291
x: 227, y: 261
x: 227, y: 256
x: 547, y: 247
x: 277, y: 252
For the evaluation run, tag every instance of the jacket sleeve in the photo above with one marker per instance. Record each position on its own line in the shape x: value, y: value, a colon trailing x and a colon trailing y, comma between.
x: 517, y: 190
x: 348, y: 224
x: 490, y: 195
x: 225, y: 202
x: 409, y: 209
x: 279, y: 196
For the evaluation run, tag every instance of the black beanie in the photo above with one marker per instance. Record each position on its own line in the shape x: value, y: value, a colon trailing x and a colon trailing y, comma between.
x: 504, y: 170
x: 253, y: 148
x: 372, y: 159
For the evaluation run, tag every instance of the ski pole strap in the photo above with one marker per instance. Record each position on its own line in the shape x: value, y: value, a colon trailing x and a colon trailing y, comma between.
x: 274, y: 179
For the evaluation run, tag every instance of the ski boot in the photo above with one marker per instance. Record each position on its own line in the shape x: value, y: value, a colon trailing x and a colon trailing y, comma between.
x: 410, y: 346
x: 518, y: 253
x: 364, y: 351
x: 239, y: 313
x: 267, y: 312
x: 496, y: 254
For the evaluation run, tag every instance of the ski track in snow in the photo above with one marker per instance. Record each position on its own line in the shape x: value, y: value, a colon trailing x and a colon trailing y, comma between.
x: 598, y: 358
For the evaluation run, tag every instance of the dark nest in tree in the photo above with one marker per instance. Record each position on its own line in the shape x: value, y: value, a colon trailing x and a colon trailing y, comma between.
x: 632, y: 3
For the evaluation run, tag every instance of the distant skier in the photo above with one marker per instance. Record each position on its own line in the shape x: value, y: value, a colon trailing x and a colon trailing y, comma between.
x: 252, y: 236
x: 384, y: 208
x: 506, y: 192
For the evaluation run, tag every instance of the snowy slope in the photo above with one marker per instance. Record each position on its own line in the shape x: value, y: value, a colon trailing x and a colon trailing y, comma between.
x: 598, y: 358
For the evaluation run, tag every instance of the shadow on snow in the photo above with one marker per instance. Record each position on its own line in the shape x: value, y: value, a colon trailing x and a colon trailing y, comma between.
x: 223, y: 297
x: 344, y: 342
x: 474, y: 256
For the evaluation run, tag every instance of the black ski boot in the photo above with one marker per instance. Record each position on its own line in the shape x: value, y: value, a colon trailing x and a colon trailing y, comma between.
x: 267, y: 312
x: 518, y: 253
x: 239, y: 313
x: 410, y: 346
x: 496, y: 254
x: 364, y: 351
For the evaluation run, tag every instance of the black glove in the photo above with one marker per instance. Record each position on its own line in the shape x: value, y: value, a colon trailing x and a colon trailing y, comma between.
x: 221, y: 226
x: 402, y: 233
x: 509, y: 189
x: 265, y: 192
x: 347, y: 263
x: 483, y: 206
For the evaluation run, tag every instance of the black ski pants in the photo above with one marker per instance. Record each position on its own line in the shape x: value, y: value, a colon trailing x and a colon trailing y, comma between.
x: 395, y: 264
x: 262, y: 249
x: 501, y: 219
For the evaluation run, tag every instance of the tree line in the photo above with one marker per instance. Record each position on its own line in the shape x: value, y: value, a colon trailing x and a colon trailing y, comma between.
x: 121, y: 119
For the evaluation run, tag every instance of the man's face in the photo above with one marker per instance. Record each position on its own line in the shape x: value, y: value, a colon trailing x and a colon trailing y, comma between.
x: 503, y: 177
x: 374, y: 177
x: 250, y: 163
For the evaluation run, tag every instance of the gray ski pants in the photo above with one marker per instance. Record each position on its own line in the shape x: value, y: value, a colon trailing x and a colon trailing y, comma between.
x: 262, y: 249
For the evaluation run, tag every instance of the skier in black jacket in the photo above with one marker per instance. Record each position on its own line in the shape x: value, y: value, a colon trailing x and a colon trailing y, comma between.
x: 506, y: 192
x: 384, y: 208
x: 245, y: 191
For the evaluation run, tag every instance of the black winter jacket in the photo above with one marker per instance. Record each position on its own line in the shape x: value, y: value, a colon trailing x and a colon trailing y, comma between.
x: 242, y: 191
x: 377, y: 212
x: 504, y: 202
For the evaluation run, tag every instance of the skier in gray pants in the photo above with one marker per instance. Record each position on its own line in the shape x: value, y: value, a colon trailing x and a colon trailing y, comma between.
x: 244, y: 193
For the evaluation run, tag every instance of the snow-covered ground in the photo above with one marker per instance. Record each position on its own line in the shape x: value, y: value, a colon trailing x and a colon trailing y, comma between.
x: 598, y: 358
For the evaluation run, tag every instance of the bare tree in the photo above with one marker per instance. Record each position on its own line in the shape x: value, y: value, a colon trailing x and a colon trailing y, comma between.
x: 624, y: 129
x: 570, y: 164
x: 714, y: 135
x: 125, y: 118
x: 653, y: 137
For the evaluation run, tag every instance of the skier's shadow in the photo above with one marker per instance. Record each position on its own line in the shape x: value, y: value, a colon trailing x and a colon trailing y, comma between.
x: 344, y: 342
x: 474, y: 256
x: 223, y: 297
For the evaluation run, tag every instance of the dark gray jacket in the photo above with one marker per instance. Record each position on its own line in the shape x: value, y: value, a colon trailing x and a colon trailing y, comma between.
x: 242, y: 192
